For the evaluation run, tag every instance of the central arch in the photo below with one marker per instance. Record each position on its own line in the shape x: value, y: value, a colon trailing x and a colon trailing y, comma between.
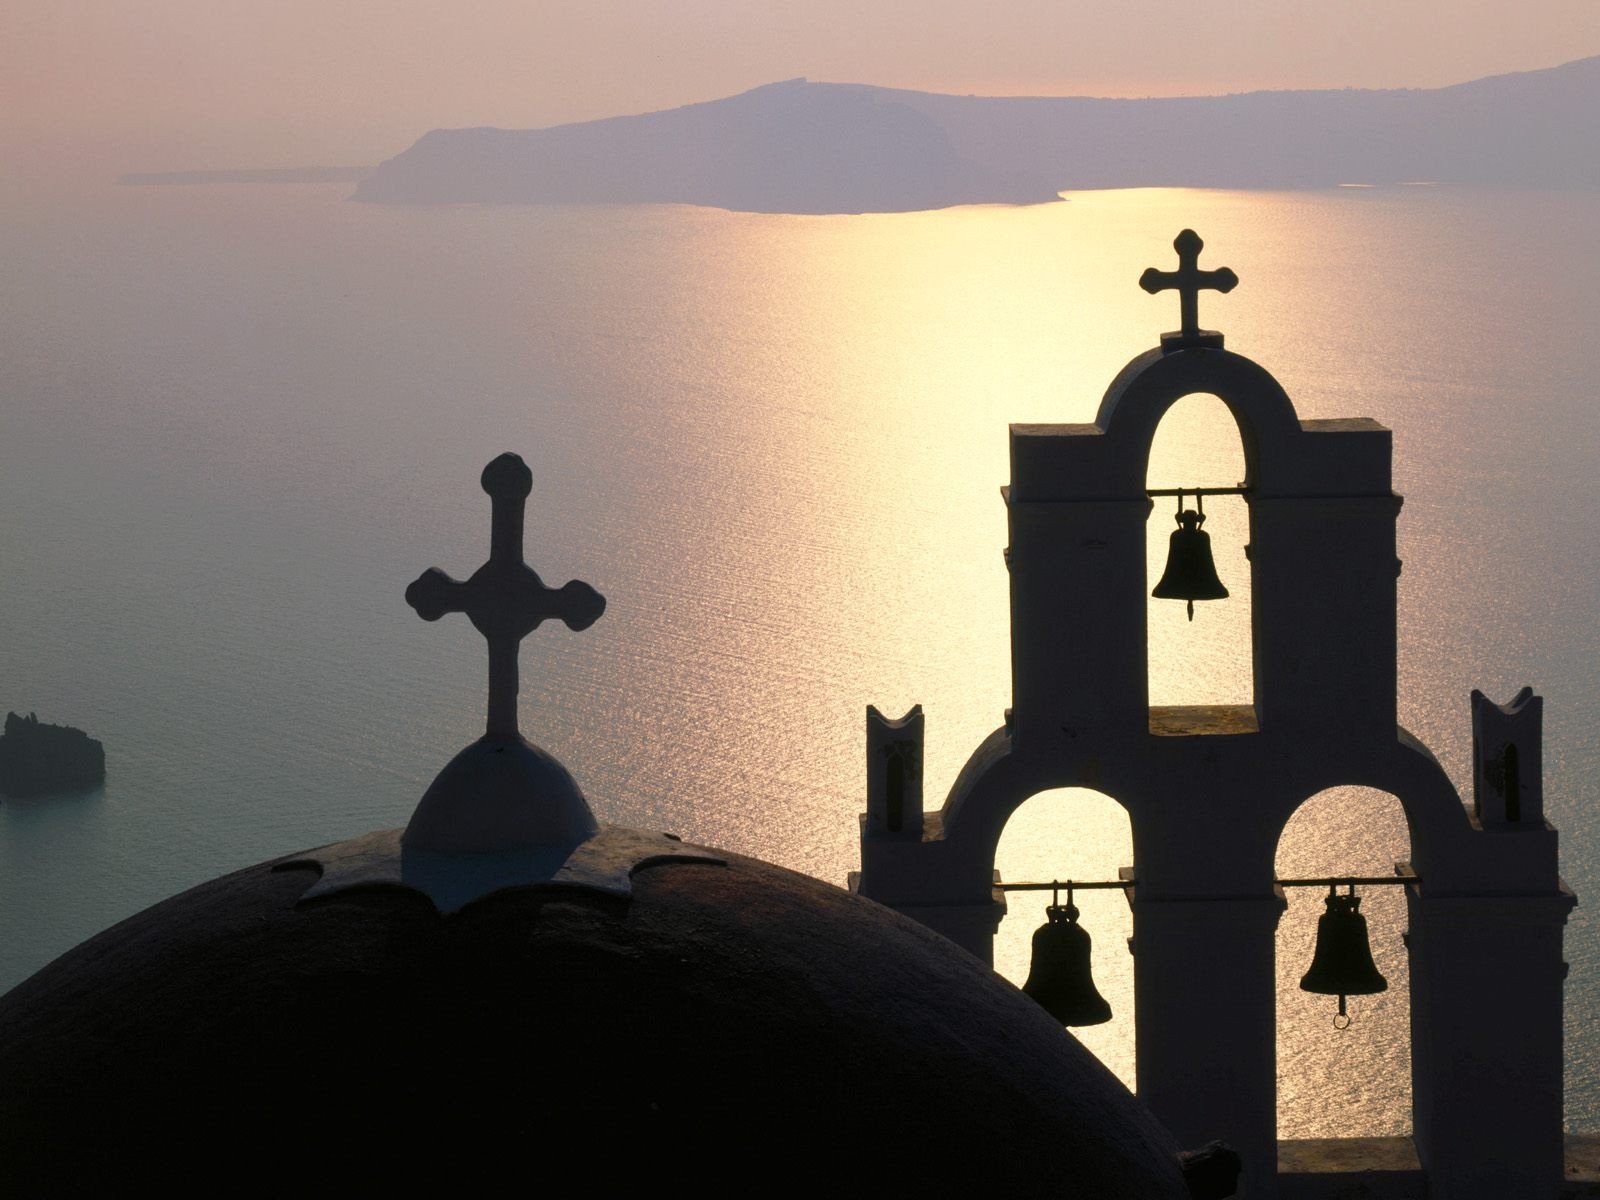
x: 1209, y: 658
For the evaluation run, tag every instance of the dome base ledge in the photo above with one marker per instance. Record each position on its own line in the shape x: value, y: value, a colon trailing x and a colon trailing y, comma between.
x: 603, y: 863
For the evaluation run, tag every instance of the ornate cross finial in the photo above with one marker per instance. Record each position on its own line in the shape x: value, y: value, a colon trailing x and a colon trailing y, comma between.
x: 1188, y: 279
x: 504, y: 599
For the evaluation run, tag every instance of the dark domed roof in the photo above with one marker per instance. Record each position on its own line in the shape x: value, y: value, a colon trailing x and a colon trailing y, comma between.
x: 736, y: 1026
x: 510, y: 993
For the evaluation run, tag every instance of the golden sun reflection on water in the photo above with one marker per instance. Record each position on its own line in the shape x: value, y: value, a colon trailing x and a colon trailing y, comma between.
x: 971, y: 320
x: 776, y: 445
x: 902, y: 346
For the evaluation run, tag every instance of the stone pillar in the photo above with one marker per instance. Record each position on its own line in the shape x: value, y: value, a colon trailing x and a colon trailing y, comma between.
x: 1508, y: 762
x: 1077, y: 619
x: 1077, y: 564
x: 1323, y: 570
x: 1205, y: 983
x: 1486, y: 1043
x: 946, y: 885
x: 894, y: 775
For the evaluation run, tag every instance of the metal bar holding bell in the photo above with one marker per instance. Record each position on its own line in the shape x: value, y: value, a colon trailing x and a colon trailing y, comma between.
x: 1330, y: 881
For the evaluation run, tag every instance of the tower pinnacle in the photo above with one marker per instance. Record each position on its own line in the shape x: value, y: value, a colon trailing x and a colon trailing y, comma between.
x: 1188, y: 280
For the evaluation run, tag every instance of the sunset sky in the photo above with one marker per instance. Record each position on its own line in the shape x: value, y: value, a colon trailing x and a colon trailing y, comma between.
x: 110, y: 85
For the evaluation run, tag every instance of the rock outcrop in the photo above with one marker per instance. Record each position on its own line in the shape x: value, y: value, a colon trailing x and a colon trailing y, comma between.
x: 36, y: 758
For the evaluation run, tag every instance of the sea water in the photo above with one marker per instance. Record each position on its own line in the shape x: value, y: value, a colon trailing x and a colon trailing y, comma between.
x: 235, y: 421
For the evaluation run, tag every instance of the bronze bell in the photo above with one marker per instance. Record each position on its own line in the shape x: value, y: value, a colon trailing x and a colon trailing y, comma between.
x: 1059, y: 978
x: 1191, y: 574
x: 1342, y: 964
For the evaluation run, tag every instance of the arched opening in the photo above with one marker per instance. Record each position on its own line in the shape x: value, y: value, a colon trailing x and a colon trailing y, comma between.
x: 1074, y: 833
x: 1207, y: 660
x: 895, y: 814
x: 1355, y: 1082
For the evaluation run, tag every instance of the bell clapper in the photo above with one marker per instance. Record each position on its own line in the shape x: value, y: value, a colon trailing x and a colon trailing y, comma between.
x: 1342, y: 1016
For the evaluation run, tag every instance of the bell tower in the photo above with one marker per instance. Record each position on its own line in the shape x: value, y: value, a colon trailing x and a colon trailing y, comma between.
x: 1208, y: 789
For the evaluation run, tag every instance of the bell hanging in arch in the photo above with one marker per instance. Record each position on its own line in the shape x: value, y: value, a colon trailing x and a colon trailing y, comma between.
x: 1191, y: 574
x: 1342, y: 963
x: 1059, y: 978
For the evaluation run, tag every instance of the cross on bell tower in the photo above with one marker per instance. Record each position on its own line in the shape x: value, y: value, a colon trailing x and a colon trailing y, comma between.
x: 1188, y: 280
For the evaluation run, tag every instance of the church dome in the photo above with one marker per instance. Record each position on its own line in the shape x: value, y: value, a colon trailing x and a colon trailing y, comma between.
x: 728, y: 1021
x: 510, y: 990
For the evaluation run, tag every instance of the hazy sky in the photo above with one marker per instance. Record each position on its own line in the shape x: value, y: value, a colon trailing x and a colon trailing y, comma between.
x: 128, y: 84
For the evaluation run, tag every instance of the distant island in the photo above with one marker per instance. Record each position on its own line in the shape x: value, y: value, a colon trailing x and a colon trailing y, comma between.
x: 259, y: 175
x: 36, y: 758
x: 802, y: 147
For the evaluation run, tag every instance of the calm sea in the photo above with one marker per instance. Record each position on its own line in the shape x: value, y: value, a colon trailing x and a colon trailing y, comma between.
x: 236, y: 421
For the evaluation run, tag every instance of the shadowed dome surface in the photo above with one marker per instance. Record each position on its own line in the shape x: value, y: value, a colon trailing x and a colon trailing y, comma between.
x: 737, y: 1026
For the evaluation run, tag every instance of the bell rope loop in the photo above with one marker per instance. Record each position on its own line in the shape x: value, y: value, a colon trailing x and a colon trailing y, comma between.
x: 1341, y: 964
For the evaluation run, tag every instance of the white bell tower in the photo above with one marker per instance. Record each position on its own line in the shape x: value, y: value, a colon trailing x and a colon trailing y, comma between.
x: 1209, y: 789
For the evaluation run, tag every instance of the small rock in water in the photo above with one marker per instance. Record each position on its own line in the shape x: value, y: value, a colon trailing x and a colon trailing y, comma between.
x: 36, y: 758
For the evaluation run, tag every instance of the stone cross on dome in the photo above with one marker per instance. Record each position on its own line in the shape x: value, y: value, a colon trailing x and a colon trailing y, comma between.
x: 1188, y: 280
x: 505, y: 600
x: 503, y: 813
